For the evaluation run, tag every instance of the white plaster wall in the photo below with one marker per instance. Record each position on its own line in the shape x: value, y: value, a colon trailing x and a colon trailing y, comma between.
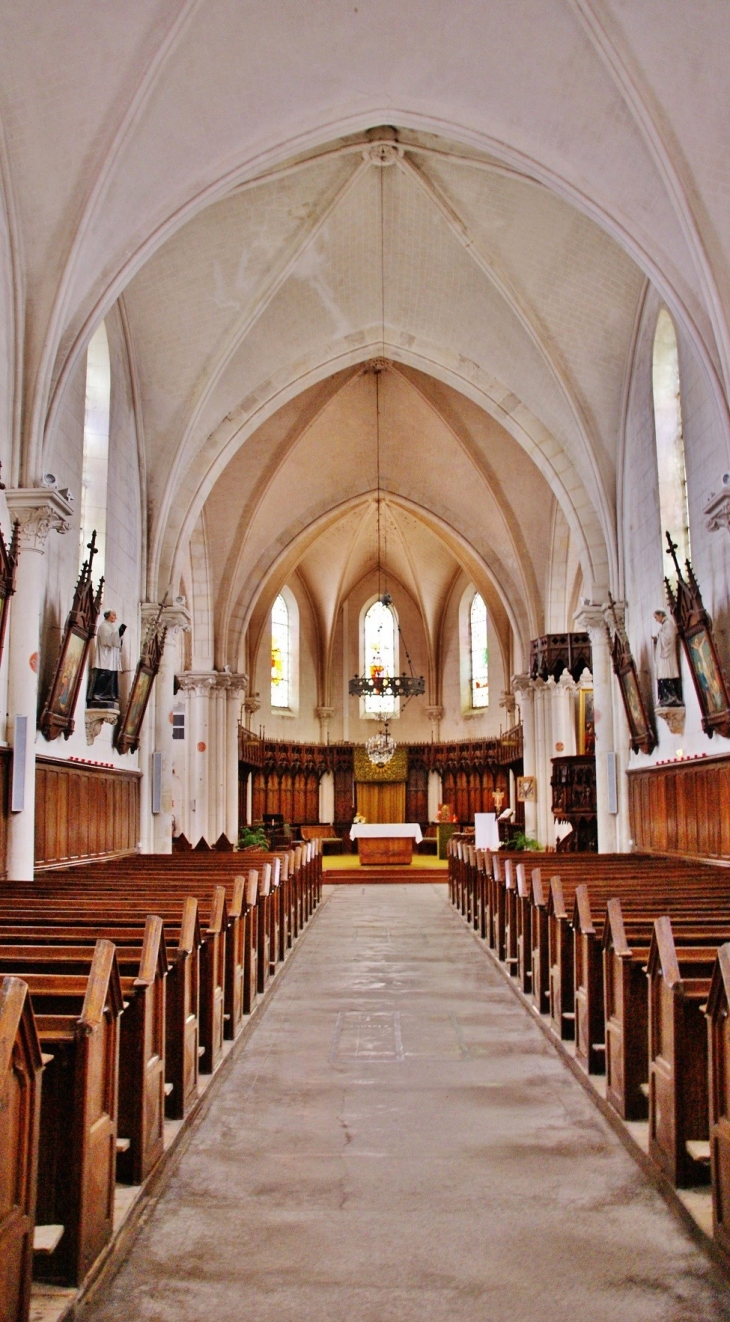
x: 304, y: 725
x: 456, y: 724
x: 123, y: 542
x: 413, y: 724
x: 707, y: 456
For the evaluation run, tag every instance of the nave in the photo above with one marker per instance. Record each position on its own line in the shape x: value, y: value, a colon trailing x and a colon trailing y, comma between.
x: 397, y: 1140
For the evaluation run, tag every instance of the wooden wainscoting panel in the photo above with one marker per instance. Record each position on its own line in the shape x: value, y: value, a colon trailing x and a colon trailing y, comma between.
x: 682, y: 808
x: 84, y: 812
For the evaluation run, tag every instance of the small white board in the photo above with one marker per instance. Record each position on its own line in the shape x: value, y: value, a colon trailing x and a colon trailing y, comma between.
x: 486, y: 831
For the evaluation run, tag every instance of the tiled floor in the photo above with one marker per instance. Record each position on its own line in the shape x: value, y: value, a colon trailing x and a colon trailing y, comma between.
x: 398, y: 1142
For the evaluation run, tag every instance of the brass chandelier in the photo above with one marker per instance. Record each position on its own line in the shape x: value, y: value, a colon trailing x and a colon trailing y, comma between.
x: 378, y: 684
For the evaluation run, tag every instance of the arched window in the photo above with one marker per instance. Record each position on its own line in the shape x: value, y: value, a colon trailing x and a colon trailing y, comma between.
x: 380, y: 657
x: 280, y: 654
x: 96, y: 446
x: 669, y: 441
x: 479, y: 652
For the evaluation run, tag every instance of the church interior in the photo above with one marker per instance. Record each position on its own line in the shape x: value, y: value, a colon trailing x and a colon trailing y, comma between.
x: 365, y: 661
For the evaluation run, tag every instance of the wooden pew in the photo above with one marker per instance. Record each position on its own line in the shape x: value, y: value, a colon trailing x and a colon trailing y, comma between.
x: 625, y: 954
x: 718, y: 1028
x: 679, y: 984
x: 20, y: 1102
x: 165, y: 901
x: 143, y: 970
x: 78, y: 1026
x: 74, y: 925
x: 540, y: 944
x: 250, y: 965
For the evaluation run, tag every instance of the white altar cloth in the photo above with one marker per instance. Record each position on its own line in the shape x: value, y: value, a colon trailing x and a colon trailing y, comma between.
x: 386, y: 831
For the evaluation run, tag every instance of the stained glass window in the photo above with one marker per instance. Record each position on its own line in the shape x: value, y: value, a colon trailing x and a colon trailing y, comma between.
x: 479, y: 653
x: 379, y: 654
x: 280, y: 654
x: 669, y: 442
x: 96, y: 447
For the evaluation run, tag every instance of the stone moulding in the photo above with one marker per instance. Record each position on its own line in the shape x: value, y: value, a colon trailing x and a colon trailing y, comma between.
x: 96, y: 717
x: 673, y: 716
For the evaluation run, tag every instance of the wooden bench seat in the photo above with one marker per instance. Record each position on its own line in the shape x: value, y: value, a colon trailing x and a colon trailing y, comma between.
x: 142, y: 970
x: 20, y: 1103
x: 183, y: 941
x: 77, y: 1019
x: 679, y: 986
x: 626, y: 947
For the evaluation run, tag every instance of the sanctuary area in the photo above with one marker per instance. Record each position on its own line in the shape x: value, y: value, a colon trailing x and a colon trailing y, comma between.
x: 364, y: 660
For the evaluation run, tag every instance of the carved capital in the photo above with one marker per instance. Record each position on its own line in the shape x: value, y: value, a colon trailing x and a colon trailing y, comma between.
x: 251, y: 703
x: 96, y: 717
x: 521, y: 683
x: 226, y: 682
x: 174, y: 616
x: 37, y: 511
x: 717, y: 509
x: 591, y: 619
x: 508, y: 700
x: 322, y: 713
x: 234, y: 683
x: 198, y: 683
x: 435, y: 714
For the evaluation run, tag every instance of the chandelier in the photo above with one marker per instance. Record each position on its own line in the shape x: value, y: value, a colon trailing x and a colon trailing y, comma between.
x: 381, y: 747
x: 379, y: 684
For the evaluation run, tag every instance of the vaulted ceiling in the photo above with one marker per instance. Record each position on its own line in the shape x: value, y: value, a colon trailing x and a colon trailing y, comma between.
x: 278, y: 197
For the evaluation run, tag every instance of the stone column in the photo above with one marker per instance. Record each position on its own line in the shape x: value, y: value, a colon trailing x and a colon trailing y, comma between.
x: 176, y: 618
x: 508, y: 701
x: 522, y: 688
x: 38, y: 511
x: 235, y: 686
x: 543, y: 754
x: 327, y: 797
x: 324, y: 716
x: 591, y: 621
x: 622, y: 745
x: 197, y: 686
x: 435, y: 715
x: 251, y: 705
x: 564, y: 731
x: 435, y: 794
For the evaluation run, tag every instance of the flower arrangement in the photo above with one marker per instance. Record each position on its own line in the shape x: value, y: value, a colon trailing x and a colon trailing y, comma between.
x: 359, y: 819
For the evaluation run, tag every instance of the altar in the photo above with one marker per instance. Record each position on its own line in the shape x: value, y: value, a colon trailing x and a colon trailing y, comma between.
x: 385, y: 842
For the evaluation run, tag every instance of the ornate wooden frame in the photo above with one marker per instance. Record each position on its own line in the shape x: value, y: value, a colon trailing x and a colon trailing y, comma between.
x: 129, y: 725
x: 58, y: 712
x: 695, y: 630
x: 8, y: 567
x: 641, y: 731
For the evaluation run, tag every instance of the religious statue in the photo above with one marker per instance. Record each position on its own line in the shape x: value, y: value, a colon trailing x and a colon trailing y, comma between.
x: 104, y: 683
x: 669, y: 683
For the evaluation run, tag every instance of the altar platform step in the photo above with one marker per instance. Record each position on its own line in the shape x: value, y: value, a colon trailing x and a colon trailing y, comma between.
x: 393, y: 874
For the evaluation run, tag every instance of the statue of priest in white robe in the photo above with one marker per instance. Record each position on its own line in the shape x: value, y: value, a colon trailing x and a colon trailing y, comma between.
x: 104, y: 683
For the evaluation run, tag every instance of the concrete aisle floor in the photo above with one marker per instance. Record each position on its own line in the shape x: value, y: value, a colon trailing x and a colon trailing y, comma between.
x: 397, y: 1141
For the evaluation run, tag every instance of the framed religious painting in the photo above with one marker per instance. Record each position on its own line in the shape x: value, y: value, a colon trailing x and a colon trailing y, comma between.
x: 586, y: 723
x: 8, y: 566
x: 129, y: 725
x: 526, y: 789
x: 641, y: 732
x: 57, y: 716
x: 695, y: 630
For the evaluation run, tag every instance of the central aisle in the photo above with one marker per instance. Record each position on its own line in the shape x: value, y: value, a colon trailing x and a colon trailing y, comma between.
x: 398, y: 1141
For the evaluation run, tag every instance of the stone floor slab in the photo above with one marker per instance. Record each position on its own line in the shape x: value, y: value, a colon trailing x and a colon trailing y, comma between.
x: 398, y: 1142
